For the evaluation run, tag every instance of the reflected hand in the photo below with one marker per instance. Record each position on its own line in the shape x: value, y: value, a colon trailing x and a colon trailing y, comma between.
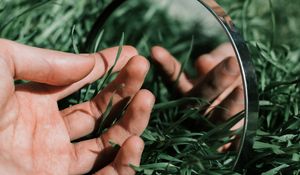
x: 218, y: 80
x: 35, y: 137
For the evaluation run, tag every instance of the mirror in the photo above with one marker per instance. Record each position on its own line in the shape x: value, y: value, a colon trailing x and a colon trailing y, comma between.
x: 201, y: 75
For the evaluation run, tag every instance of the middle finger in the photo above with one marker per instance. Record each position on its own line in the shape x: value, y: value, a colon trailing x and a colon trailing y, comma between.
x: 99, y: 152
x: 217, y: 80
x: 81, y: 119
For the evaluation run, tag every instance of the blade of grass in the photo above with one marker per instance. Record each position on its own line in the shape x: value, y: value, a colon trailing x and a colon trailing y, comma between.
x: 101, y: 128
x: 185, y: 61
x: 98, y: 41
x: 108, y: 74
x: 273, y: 30
x: 182, y: 119
x: 31, y: 9
x: 73, y: 32
x: 245, y: 8
x: 225, y: 127
x: 180, y: 102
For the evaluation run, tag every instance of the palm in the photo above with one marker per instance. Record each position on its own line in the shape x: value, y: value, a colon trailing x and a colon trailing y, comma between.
x: 43, y: 144
x: 36, y: 137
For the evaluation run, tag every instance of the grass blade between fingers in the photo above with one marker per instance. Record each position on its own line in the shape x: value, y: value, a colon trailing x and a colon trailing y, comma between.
x: 98, y: 41
x: 185, y: 61
x: 109, y: 73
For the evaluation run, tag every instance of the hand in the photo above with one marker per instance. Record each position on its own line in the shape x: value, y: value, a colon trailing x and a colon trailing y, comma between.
x: 35, y: 137
x: 219, y: 80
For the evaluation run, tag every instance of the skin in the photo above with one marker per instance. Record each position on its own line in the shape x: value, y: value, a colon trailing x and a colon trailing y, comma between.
x: 35, y: 136
x: 218, y: 81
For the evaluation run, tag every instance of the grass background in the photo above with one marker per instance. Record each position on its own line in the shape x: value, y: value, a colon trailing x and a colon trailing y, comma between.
x: 270, y: 28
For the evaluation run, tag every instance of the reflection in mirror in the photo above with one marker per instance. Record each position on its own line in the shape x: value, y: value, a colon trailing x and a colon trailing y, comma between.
x: 197, y: 121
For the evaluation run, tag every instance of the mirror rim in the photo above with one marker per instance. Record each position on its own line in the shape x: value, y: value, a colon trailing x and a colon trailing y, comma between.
x: 249, y: 82
x: 244, y: 61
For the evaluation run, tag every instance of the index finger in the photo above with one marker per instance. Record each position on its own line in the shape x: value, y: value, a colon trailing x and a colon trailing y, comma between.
x: 57, y: 68
x: 104, y: 60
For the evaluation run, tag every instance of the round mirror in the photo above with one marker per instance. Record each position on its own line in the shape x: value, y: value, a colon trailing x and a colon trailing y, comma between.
x: 201, y: 74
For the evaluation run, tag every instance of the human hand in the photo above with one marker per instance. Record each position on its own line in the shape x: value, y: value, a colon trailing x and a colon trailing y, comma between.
x: 218, y: 80
x: 35, y: 137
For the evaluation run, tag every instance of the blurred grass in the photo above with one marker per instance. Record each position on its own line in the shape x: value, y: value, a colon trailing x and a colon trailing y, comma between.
x: 271, y: 31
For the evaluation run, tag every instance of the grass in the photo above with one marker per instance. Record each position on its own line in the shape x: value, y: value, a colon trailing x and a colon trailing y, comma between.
x: 271, y: 32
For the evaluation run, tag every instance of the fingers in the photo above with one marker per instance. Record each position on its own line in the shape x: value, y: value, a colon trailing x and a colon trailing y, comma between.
x: 223, y: 51
x: 60, y: 68
x: 138, y: 113
x: 130, y: 153
x: 205, y: 63
x: 99, y: 150
x: 80, y: 119
x: 170, y: 68
x: 45, y: 66
x: 219, y: 79
x: 104, y: 60
x: 225, y: 94
x: 131, y: 77
x: 230, y: 106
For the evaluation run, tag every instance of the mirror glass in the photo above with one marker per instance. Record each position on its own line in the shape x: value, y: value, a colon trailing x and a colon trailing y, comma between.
x: 197, y: 122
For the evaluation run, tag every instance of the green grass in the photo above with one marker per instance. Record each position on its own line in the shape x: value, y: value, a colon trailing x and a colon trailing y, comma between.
x: 271, y: 31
